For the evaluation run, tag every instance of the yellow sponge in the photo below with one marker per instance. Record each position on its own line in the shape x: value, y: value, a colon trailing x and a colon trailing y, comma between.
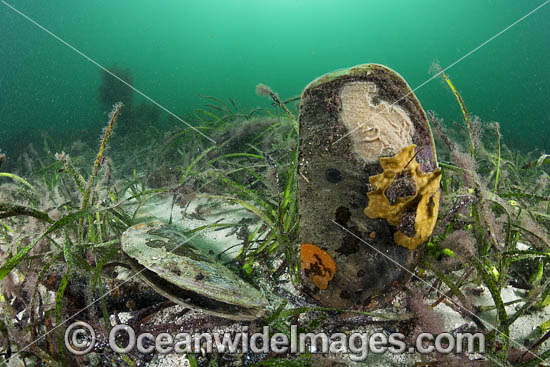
x: 403, y: 193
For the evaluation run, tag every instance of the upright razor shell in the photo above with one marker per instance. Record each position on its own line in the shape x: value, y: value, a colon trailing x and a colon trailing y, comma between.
x: 348, y: 120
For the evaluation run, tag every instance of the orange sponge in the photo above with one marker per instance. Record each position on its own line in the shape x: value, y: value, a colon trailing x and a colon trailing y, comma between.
x: 318, y: 263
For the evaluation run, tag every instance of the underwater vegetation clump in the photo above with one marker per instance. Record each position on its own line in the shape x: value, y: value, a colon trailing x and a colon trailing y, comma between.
x: 61, y: 224
x: 63, y: 214
x: 493, y: 233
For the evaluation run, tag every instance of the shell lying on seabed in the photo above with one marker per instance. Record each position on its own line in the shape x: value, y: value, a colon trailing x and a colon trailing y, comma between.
x: 170, y: 263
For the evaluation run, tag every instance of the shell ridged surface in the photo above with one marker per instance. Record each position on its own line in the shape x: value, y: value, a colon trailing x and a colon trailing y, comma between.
x: 167, y: 253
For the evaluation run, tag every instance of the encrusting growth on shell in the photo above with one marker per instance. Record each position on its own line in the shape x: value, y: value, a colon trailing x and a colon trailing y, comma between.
x: 406, y: 197
x: 378, y: 128
x: 318, y: 263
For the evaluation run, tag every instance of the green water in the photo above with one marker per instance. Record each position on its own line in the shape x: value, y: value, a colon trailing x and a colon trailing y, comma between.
x: 179, y: 50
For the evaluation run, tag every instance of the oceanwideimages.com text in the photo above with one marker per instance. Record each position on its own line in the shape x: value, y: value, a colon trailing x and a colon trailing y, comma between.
x: 80, y: 338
